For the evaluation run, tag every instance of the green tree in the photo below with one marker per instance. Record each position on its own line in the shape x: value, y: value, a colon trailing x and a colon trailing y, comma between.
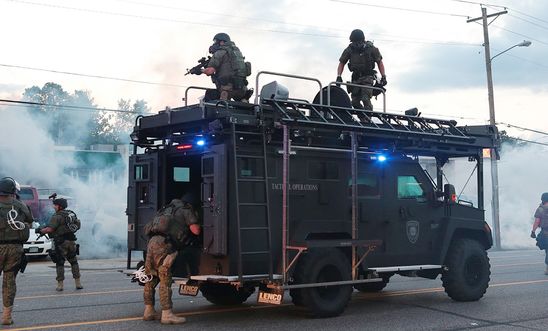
x: 118, y: 125
x: 65, y: 125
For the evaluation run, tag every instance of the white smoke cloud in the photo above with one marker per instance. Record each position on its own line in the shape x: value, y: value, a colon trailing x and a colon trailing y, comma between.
x: 29, y: 155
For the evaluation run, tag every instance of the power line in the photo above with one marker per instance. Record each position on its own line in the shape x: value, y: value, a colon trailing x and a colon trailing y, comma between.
x: 478, y: 3
x: 520, y: 34
x: 522, y: 128
x: 402, y: 9
x: 89, y: 75
x: 527, y: 21
x: 30, y: 103
x: 528, y: 141
x: 238, y: 27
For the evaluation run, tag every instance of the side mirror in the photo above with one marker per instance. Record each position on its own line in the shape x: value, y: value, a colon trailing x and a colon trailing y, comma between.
x: 449, y: 194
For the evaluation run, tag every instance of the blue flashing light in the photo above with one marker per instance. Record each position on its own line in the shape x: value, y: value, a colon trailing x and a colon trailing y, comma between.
x: 200, y: 142
x: 381, y: 158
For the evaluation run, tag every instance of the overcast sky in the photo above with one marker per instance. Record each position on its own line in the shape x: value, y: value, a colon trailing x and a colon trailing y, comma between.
x: 434, y: 59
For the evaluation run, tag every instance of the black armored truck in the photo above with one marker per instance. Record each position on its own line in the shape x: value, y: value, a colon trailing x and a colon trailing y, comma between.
x: 313, y: 199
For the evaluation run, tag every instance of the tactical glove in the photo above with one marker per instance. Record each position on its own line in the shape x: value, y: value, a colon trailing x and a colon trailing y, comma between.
x: 533, y: 235
x: 339, y: 80
x: 383, y: 81
x: 37, y: 231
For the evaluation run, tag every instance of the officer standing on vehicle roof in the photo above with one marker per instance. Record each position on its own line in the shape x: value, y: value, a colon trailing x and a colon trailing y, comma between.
x: 168, y: 233
x: 228, y: 69
x: 362, y: 56
x: 541, y: 221
x: 64, y: 240
x: 15, y: 222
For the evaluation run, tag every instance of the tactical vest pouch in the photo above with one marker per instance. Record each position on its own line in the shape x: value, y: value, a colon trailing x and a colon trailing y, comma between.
x: 7, y: 233
x: 72, y: 223
x: 247, y: 69
x: 160, y: 223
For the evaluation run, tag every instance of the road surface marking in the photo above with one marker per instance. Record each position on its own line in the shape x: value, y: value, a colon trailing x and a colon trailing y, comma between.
x: 234, y: 309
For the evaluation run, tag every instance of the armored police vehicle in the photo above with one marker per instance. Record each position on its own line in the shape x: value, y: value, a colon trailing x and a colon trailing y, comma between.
x: 310, y: 198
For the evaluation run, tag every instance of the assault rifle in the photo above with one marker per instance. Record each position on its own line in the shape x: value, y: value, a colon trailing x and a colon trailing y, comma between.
x: 197, y: 70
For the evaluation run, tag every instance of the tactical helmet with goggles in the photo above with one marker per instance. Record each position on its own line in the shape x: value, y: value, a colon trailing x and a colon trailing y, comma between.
x: 61, y: 202
x: 221, y: 36
x: 544, y: 197
x: 8, y: 186
x: 357, y: 35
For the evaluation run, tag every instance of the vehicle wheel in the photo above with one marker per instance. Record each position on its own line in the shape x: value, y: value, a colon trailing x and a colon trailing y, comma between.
x: 296, y: 296
x: 468, y: 271
x: 372, y: 287
x: 323, y: 265
x: 225, y: 294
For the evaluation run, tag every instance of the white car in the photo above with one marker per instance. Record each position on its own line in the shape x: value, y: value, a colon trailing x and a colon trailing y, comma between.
x: 37, y: 247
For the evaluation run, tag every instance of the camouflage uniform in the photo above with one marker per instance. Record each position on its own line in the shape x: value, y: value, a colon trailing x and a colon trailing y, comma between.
x: 11, y: 247
x: 363, y: 72
x: 162, y: 251
x: 228, y: 84
x: 65, y: 246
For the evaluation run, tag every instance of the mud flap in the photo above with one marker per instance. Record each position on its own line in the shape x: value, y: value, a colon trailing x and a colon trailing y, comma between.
x: 270, y: 296
x: 191, y: 288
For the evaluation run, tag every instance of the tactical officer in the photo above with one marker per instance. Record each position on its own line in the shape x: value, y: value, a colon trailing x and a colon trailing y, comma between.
x: 15, y: 222
x: 541, y: 221
x: 227, y: 69
x: 64, y: 241
x: 162, y: 249
x: 361, y: 56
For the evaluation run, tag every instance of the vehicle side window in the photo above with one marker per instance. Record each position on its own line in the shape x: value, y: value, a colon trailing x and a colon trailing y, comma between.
x: 26, y: 194
x: 409, y: 187
x: 368, y: 186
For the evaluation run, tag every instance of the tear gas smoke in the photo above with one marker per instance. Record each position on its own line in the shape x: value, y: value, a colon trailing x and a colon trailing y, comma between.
x: 28, y: 154
x: 522, y: 179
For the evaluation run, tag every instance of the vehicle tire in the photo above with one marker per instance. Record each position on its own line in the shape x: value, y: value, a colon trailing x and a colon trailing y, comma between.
x: 466, y: 276
x: 296, y: 297
x: 225, y: 294
x: 372, y: 287
x: 323, y: 265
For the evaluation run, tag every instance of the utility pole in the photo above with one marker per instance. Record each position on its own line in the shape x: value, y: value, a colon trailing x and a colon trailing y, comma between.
x: 493, y: 154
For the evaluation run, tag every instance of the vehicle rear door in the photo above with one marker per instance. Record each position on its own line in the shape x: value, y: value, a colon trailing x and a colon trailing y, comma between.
x: 214, y: 198
x: 142, y: 197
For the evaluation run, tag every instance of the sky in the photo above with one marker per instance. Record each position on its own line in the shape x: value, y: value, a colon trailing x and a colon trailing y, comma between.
x: 434, y: 61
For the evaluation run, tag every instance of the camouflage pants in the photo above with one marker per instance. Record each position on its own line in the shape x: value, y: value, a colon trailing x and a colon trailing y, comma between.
x: 10, y: 257
x: 362, y: 95
x: 228, y: 92
x: 159, y: 259
x: 66, y: 251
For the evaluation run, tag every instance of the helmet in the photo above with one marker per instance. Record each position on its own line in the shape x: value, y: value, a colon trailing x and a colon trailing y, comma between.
x: 357, y: 35
x: 61, y: 202
x: 221, y: 36
x: 188, y: 198
x: 7, y: 186
x: 544, y: 197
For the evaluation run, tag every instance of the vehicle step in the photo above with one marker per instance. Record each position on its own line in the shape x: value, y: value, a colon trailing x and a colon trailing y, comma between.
x: 406, y: 268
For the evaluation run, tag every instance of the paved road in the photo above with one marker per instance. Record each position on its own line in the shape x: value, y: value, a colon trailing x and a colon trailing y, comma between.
x: 517, y: 299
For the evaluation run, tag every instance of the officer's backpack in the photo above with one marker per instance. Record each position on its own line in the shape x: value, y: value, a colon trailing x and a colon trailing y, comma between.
x: 72, y: 222
x: 161, y: 222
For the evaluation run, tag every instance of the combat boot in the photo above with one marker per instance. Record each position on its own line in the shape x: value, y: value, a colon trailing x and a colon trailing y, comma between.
x: 6, y: 316
x: 78, y: 284
x: 169, y: 318
x: 150, y: 314
x: 59, y: 285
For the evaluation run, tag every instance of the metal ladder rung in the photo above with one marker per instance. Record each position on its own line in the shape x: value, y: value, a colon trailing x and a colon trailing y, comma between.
x: 255, y: 252
x: 251, y: 179
x: 252, y: 203
x: 249, y: 156
x: 255, y: 228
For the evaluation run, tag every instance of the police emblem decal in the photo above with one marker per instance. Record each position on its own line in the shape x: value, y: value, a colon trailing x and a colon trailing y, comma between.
x: 412, y: 228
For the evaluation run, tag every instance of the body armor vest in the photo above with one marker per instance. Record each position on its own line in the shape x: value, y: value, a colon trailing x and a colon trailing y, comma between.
x: 361, y: 58
x: 9, y: 234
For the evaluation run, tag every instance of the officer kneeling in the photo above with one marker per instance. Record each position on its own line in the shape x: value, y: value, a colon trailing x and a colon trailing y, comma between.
x: 62, y: 227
